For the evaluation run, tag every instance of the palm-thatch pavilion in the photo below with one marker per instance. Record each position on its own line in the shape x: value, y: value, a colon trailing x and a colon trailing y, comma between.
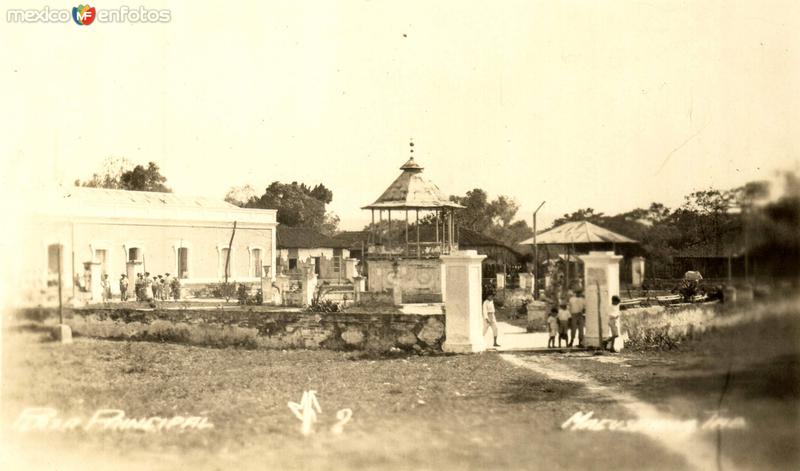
x: 578, y: 237
x: 405, y: 259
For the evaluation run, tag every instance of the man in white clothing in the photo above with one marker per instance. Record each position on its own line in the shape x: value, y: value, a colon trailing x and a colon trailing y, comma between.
x: 489, y: 319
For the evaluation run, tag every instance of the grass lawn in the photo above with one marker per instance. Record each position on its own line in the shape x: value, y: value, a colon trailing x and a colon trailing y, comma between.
x: 435, y: 412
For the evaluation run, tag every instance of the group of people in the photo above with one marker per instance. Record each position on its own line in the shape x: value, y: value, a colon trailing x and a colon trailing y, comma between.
x: 569, y: 320
x: 145, y: 287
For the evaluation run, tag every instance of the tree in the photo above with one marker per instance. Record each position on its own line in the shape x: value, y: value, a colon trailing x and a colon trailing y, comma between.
x: 298, y: 205
x: 491, y: 218
x: 118, y: 174
x: 144, y: 179
x: 241, y: 195
x: 109, y: 175
x: 587, y: 214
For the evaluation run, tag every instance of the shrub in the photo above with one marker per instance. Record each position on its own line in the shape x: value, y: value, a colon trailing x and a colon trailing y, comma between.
x: 244, y: 297
x: 325, y: 305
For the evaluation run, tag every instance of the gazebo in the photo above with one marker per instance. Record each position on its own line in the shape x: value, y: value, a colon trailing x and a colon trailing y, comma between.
x: 412, y: 192
x: 581, y: 235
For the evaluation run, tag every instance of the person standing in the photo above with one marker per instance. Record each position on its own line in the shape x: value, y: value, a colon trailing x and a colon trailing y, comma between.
x: 166, y: 285
x: 175, y: 287
x: 123, y: 288
x: 577, y: 321
x: 105, y: 287
x: 613, y: 324
x: 489, y: 319
x: 552, y: 327
x: 139, y: 287
x: 148, y: 287
x: 563, y: 324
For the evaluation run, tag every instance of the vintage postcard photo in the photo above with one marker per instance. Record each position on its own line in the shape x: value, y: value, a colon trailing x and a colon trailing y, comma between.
x: 400, y: 235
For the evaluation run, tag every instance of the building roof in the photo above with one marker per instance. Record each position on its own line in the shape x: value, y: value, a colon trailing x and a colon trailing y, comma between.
x: 353, y: 239
x: 135, y: 206
x: 83, y: 195
x: 303, y: 238
x: 470, y: 238
x: 411, y: 190
x: 578, y: 232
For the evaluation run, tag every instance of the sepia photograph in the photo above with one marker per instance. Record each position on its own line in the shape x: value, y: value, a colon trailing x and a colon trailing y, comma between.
x: 400, y: 235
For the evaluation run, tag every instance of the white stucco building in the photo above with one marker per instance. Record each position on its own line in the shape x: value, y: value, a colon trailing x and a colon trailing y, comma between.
x: 116, y: 232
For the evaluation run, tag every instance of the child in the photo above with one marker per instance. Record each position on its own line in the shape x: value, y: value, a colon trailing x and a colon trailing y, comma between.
x: 552, y: 326
x: 563, y: 324
x: 613, y: 323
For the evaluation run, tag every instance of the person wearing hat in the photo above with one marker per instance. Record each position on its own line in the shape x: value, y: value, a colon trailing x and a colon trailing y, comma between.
x: 489, y: 319
x: 123, y: 288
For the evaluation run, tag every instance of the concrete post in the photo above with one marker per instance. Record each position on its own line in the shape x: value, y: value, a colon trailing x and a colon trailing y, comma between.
x: 95, y: 288
x: 350, y: 268
x: 501, y: 280
x: 443, y: 278
x: 526, y: 282
x: 464, y: 319
x: 637, y: 271
x: 309, y: 286
x: 358, y: 287
x: 601, y: 270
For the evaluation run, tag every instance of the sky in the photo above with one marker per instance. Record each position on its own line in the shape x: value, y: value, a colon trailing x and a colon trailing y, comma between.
x: 607, y: 104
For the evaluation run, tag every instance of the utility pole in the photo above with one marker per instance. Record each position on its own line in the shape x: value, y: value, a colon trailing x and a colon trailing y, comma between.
x: 60, y: 308
x: 536, y: 256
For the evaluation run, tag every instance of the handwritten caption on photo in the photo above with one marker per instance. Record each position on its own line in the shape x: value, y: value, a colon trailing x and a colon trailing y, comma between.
x: 48, y: 419
x: 308, y: 408
x: 586, y: 421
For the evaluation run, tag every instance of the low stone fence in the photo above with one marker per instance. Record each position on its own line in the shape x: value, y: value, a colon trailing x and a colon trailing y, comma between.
x: 255, y: 328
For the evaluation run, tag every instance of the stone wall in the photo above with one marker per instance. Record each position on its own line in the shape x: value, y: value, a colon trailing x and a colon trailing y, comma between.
x: 420, y: 280
x: 257, y: 328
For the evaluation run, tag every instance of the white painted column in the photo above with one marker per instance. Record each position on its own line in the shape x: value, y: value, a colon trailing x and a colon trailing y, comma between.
x: 637, y: 271
x: 350, y: 268
x: 464, y: 319
x: 96, y: 288
x: 601, y: 277
x: 443, y: 280
x: 501, y: 280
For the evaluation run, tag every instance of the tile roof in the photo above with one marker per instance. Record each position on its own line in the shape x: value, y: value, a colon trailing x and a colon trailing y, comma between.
x: 353, y: 239
x: 302, y: 238
x: 578, y: 232
x: 470, y: 238
x: 412, y: 191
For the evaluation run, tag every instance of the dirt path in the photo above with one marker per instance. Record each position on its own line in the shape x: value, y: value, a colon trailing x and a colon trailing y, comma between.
x: 698, y: 452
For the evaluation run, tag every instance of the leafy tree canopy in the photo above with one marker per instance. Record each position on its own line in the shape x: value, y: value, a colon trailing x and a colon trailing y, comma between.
x: 118, y: 173
x: 298, y: 204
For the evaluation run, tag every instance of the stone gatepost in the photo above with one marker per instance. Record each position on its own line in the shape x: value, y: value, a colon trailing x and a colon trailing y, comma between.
x: 309, y: 286
x: 443, y: 278
x: 501, y: 280
x: 601, y: 270
x: 637, y: 271
x: 350, y: 271
x: 358, y: 288
x: 95, y: 287
x: 526, y: 282
x: 464, y: 319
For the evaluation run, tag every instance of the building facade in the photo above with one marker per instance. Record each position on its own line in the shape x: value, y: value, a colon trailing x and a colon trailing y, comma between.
x: 87, y: 231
